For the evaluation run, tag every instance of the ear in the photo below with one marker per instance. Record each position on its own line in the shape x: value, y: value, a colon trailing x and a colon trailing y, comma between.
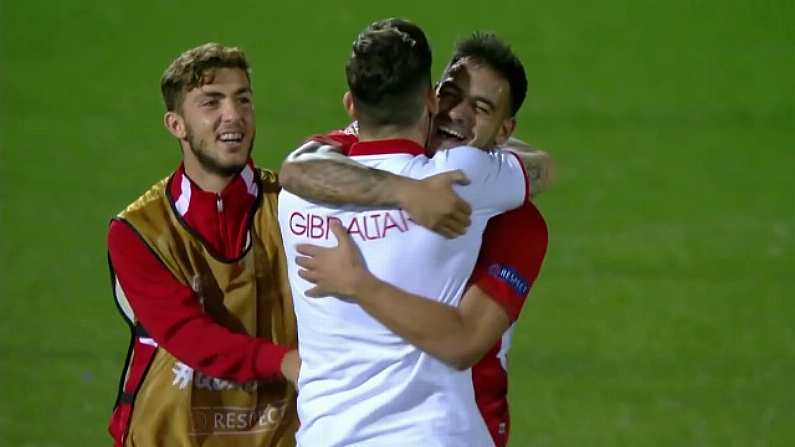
x: 433, y: 102
x: 347, y: 102
x: 506, y: 129
x: 175, y: 124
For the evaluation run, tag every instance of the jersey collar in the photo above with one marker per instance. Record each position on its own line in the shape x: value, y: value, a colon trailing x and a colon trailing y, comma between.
x: 185, y: 194
x: 384, y: 147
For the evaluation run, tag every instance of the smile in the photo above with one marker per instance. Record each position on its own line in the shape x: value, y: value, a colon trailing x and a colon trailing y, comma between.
x: 231, y: 137
x: 446, y: 131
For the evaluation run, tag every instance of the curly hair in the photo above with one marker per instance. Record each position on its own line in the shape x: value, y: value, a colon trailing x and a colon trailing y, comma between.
x: 196, y: 67
x: 389, y: 67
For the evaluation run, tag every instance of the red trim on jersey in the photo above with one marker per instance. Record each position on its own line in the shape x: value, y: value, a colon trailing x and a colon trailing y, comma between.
x: 490, y: 382
x: 134, y: 371
x: 220, y: 220
x: 120, y: 422
x: 517, y: 240
x: 338, y: 138
x: 514, y: 246
x: 528, y: 188
x: 498, y: 291
x: 383, y: 147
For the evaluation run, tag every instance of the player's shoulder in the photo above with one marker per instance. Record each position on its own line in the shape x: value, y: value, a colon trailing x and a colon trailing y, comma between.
x: 525, y: 221
x: 470, y: 158
x: 342, y: 139
x: 153, y: 196
x: 459, y: 153
x: 530, y: 214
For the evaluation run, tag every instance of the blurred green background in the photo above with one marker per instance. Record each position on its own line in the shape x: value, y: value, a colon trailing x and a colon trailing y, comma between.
x: 664, y: 314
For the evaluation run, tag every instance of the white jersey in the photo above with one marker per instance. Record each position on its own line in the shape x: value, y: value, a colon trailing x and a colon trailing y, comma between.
x: 360, y: 384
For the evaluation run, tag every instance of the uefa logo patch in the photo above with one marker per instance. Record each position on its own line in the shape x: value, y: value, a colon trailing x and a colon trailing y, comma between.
x: 511, y: 277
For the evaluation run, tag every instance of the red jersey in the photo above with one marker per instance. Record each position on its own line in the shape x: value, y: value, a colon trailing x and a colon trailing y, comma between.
x: 513, y: 249
x: 514, y: 245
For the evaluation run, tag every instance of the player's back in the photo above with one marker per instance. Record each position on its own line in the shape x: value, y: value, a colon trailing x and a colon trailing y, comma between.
x: 360, y: 384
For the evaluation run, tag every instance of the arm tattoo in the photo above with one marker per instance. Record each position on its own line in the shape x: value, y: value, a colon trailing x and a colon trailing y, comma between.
x: 536, y: 165
x: 339, y: 183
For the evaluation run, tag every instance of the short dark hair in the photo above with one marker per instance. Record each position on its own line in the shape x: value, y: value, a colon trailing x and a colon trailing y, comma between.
x: 196, y: 67
x: 389, y: 69
x: 488, y: 49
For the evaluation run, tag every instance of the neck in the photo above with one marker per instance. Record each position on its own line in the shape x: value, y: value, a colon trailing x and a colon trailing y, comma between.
x: 205, y: 180
x: 413, y: 133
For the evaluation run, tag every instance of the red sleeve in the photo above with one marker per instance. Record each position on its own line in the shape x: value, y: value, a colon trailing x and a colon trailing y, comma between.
x: 514, y: 245
x: 171, y: 314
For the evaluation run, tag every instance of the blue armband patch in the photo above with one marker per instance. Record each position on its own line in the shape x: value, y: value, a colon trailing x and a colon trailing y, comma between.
x: 510, y: 276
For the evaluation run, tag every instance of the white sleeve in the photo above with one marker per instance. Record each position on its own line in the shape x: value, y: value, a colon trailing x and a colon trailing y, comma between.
x: 498, y: 182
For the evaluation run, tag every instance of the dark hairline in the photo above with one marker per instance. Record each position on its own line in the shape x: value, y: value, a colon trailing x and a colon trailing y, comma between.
x: 476, y: 48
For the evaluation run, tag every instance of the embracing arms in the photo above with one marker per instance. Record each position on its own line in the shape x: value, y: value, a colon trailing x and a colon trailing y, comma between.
x: 324, y: 175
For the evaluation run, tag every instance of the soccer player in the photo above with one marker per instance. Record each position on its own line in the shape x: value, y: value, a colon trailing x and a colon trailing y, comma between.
x: 360, y: 383
x: 198, y: 273
x: 480, y: 92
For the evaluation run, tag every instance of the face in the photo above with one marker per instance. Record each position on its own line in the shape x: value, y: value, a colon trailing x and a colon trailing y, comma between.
x: 474, y: 107
x: 216, y: 123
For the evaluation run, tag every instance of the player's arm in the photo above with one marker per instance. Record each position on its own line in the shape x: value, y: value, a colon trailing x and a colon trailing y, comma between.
x: 538, y: 164
x: 510, y: 259
x: 498, y: 181
x: 514, y: 246
x: 457, y: 336
x: 171, y: 314
x: 322, y: 173
x: 325, y: 175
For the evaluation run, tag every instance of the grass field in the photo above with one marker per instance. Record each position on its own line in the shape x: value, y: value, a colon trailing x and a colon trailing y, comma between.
x: 665, y: 312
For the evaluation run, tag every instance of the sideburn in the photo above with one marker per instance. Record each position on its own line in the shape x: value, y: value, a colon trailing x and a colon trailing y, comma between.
x: 206, y: 159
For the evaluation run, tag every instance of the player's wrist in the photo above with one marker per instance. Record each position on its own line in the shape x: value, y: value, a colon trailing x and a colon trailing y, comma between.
x: 364, y: 286
x: 405, y: 191
x: 290, y: 366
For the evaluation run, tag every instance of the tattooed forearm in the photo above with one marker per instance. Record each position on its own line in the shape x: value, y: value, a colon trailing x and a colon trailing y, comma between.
x: 337, y: 182
x: 538, y: 164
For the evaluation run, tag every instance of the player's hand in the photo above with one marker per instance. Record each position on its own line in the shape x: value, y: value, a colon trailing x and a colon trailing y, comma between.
x: 291, y: 365
x: 336, y: 270
x: 313, y: 148
x: 432, y: 203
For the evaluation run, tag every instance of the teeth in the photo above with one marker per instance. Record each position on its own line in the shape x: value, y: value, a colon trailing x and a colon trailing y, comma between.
x: 231, y: 136
x: 451, y: 132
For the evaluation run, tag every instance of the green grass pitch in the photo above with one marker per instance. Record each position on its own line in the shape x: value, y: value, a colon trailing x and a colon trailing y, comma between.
x: 665, y: 312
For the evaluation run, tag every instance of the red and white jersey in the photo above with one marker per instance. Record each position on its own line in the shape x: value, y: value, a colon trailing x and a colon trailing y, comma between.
x: 508, y: 264
x: 360, y: 383
x: 514, y: 245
